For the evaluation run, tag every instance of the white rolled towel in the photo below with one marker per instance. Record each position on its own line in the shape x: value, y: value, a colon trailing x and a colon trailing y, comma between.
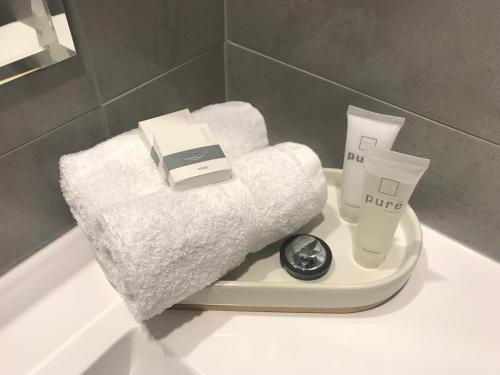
x: 120, y: 169
x: 161, y: 248
x: 238, y: 126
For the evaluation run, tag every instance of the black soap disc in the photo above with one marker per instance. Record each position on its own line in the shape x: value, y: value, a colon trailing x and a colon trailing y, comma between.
x: 305, y: 257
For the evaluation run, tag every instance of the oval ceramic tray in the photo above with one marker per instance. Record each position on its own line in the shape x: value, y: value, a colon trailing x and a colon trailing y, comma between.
x: 261, y: 284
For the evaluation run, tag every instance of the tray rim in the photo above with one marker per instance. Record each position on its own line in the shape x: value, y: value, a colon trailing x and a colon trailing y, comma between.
x: 402, y: 271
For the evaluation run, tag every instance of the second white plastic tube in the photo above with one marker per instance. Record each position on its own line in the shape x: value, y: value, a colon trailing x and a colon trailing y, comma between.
x: 390, y: 178
x: 364, y: 129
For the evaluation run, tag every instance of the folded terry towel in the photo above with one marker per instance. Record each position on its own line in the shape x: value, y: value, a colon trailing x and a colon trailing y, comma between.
x: 238, y: 126
x: 121, y: 169
x: 162, y: 247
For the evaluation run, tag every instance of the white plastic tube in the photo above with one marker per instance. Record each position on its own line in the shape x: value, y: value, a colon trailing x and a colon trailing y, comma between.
x: 390, y: 178
x: 364, y: 129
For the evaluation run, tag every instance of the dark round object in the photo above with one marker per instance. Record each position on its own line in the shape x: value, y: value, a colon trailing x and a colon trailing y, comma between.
x: 305, y: 257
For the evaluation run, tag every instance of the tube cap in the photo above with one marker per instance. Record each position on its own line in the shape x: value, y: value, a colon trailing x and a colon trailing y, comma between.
x: 305, y: 257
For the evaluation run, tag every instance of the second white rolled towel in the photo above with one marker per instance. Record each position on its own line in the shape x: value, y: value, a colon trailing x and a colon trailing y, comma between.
x: 121, y: 169
x: 161, y: 248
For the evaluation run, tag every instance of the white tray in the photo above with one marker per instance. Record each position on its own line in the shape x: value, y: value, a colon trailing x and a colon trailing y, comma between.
x: 261, y: 284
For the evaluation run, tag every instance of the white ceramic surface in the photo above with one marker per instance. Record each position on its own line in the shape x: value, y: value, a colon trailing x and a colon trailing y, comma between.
x: 135, y: 354
x: 59, y: 315
x: 261, y: 283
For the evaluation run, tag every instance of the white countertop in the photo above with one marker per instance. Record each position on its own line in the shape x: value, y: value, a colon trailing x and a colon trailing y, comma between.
x: 446, y: 320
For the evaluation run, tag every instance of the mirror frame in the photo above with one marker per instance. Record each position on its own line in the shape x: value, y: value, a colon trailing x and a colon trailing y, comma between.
x: 41, y: 20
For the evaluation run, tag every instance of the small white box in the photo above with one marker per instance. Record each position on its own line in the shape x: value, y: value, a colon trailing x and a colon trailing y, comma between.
x: 148, y: 127
x: 190, y: 156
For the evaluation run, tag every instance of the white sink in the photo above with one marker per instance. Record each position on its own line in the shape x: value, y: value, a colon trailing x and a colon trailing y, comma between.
x: 59, y: 315
x: 137, y: 354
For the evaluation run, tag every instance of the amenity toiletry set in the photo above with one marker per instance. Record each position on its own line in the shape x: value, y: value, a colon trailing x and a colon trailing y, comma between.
x: 162, y: 229
x: 376, y: 182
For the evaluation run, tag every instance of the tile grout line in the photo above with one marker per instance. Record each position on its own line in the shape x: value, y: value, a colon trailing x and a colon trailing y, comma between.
x: 450, y: 127
x: 92, y: 71
x: 226, y: 68
x: 175, y: 68
x: 105, y: 122
x: 43, y: 135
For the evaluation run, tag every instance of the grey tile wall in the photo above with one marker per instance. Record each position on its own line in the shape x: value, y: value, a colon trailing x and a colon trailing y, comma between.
x: 31, y: 106
x: 196, y: 84
x: 458, y: 195
x: 440, y: 59
x: 132, y: 42
x: 134, y: 59
x: 140, y: 59
x: 32, y: 210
